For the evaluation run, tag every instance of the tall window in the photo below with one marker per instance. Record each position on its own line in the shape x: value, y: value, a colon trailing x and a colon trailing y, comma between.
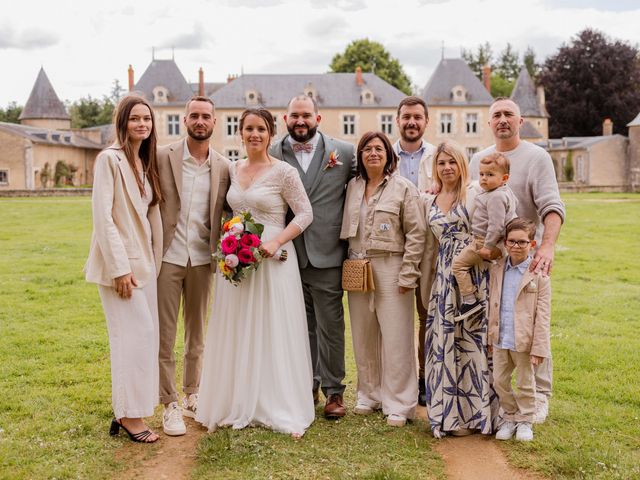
x: 233, y: 155
x: 472, y: 123
x: 232, y: 125
x: 173, y: 124
x: 446, y: 119
x: 471, y: 151
x: 348, y: 124
x: 386, y: 124
x: 4, y: 177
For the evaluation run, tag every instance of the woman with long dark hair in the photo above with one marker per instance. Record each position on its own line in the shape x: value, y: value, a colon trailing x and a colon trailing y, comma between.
x: 125, y: 255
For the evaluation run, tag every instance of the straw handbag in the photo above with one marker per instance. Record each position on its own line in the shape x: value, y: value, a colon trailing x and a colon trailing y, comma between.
x: 357, y: 275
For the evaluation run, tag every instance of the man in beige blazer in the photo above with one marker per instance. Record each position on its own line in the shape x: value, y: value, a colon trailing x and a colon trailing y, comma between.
x: 194, y: 180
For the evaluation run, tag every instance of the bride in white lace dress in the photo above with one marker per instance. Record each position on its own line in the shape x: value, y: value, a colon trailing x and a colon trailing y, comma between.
x: 257, y: 363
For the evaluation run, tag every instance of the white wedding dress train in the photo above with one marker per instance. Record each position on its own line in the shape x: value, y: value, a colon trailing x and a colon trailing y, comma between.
x: 257, y: 362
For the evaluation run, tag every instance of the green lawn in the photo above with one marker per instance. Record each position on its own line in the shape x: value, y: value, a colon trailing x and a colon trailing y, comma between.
x: 54, y: 366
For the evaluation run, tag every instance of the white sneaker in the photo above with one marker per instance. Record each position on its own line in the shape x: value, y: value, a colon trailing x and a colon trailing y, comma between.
x: 172, y: 422
x: 524, y: 432
x: 362, y: 409
x: 190, y: 405
x: 396, y: 420
x: 506, y: 431
x: 542, y: 408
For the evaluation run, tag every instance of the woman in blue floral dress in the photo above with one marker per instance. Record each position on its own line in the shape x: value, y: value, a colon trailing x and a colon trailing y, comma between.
x: 460, y: 398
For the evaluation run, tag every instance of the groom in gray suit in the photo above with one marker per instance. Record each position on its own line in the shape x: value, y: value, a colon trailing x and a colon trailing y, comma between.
x: 325, y: 166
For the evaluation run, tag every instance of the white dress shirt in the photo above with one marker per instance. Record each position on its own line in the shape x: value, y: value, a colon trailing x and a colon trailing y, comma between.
x: 193, y: 232
x: 304, y: 158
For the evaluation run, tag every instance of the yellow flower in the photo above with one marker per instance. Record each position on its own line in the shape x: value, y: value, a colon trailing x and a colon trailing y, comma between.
x: 231, y: 222
x: 223, y: 268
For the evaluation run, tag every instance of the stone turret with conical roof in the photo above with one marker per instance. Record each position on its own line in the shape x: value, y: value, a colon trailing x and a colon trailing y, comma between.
x: 634, y: 153
x: 531, y: 101
x: 44, y: 108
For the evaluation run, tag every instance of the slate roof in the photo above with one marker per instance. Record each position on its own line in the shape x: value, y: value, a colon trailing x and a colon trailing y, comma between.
x: 527, y: 130
x: 43, y: 101
x: 580, y: 142
x: 524, y: 94
x: 209, y: 87
x: 164, y: 73
x: 635, y: 122
x: 48, y: 136
x: 332, y: 90
x: 449, y: 73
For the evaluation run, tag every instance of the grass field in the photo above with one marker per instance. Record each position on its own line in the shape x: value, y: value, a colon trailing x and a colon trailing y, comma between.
x: 54, y: 366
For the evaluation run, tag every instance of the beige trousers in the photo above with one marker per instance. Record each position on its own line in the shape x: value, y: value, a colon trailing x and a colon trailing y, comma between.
x: 193, y: 285
x: 465, y: 261
x: 383, y: 342
x: 521, y: 405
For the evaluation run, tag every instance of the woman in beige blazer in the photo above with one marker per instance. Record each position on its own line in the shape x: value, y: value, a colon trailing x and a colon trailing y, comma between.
x: 383, y: 220
x: 124, y: 257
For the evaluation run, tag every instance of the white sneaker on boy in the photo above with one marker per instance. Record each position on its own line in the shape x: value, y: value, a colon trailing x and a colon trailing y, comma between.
x: 190, y: 405
x: 172, y: 422
x: 524, y: 432
x: 542, y: 408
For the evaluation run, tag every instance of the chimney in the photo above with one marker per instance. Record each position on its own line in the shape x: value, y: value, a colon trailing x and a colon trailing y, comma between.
x: 201, y: 82
x: 486, y: 77
x: 130, y: 78
x: 359, y: 79
x: 230, y: 78
x: 607, y: 127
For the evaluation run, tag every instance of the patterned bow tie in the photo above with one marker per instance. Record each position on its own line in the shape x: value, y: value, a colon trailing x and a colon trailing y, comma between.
x: 302, y: 147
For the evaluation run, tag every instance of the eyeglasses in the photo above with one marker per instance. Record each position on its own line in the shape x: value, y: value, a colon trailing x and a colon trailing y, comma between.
x: 519, y: 243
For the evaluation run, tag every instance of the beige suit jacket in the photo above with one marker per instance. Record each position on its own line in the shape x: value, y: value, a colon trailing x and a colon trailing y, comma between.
x: 170, y: 169
x: 119, y: 242
x: 532, y: 311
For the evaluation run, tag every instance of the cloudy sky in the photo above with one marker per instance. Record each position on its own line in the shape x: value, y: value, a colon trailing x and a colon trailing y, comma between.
x: 85, y: 45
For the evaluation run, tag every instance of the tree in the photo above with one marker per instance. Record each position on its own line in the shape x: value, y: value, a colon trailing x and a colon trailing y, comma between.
x: 372, y: 57
x: 529, y: 61
x: 591, y: 79
x: 477, y: 60
x: 508, y: 65
x: 11, y: 113
x: 91, y: 112
x: 500, y: 87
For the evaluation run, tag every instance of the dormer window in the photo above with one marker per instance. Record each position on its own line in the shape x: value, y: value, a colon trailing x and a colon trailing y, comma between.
x: 251, y: 97
x: 160, y: 95
x: 367, y: 97
x: 310, y: 90
x: 459, y: 93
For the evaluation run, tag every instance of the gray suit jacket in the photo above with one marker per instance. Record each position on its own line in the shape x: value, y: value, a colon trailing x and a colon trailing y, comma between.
x: 320, y: 244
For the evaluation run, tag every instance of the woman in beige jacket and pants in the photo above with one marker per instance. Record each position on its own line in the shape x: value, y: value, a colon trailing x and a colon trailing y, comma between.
x: 384, y: 221
x: 125, y: 255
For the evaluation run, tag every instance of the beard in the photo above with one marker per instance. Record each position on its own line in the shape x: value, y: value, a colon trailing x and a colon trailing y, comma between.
x: 311, y: 131
x: 411, y: 137
x: 200, y: 135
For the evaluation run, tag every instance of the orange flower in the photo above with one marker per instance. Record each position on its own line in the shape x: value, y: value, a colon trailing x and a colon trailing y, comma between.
x: 227, y: 225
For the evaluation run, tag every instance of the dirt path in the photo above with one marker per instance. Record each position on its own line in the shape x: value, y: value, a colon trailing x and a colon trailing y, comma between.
x: 173, y: 460
x: 476, y: 457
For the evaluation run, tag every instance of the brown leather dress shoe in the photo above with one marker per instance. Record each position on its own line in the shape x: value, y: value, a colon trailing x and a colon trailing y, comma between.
x: 334, y: 408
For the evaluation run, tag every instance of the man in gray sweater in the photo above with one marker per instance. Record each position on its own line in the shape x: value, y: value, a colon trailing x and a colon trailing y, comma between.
x: 533, y: 181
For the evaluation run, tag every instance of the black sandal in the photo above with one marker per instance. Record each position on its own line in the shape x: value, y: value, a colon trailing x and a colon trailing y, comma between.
x: 141, y: 437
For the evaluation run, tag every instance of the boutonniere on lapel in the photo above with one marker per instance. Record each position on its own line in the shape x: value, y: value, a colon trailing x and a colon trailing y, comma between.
x: 532, y: 286
x: 333, y: 160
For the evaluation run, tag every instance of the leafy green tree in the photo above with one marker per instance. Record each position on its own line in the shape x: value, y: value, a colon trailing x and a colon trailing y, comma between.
x: 508, y: 64
x: 529, y: 61
x: 477, y: 60
x: 11, y: 113
x: 372, y: 57
x: 91, y: 112
x: 500, y: 87
x: 588, y: 80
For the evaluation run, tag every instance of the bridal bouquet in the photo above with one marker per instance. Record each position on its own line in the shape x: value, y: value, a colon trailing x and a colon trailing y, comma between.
x: 239, y: 250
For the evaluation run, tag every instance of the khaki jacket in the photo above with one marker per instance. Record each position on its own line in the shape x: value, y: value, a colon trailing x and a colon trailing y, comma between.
x: 170, y: 171
x: 532, y: 311
x: 398, y: 223
x: 428, y: 263
x: 119, y: 242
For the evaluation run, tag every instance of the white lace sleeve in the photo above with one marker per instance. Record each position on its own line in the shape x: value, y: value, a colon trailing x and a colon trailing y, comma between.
x: 296, y: 197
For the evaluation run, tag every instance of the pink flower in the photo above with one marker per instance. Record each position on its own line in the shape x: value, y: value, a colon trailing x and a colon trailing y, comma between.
x: 237, y: 228
x: 245, y: 255
x: 231, y: 260
x: 229, y: 244
x: 250, y: 240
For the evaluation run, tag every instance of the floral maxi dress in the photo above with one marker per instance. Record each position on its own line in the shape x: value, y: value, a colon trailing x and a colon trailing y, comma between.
x: 457, y: 367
